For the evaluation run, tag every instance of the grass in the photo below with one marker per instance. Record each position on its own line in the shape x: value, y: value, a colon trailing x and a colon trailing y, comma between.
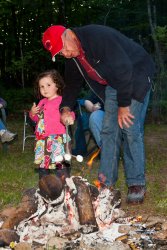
x: 16, y: 167
x: 17, y: 170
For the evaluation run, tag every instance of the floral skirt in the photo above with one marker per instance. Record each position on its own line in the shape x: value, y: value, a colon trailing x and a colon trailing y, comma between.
x: 47, y: 150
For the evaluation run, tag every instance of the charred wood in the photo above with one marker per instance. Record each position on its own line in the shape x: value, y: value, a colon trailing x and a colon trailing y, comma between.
x: 7, y: 236
x: 50, y: 187
x: 84, y: 205
x: 26, y: 208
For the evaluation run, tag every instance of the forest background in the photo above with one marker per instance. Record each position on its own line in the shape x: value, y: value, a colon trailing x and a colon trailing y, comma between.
x: 22, y: 55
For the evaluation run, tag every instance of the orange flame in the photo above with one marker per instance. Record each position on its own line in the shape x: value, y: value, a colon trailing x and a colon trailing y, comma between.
x: 97, y: 183
x: 94, y: 155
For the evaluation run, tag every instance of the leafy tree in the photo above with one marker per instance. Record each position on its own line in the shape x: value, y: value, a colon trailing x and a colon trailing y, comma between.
x: 22, y: 22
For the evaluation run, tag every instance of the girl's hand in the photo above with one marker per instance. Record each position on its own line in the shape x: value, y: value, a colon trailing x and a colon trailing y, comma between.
x: 125, y: 117
x: 34, y: 109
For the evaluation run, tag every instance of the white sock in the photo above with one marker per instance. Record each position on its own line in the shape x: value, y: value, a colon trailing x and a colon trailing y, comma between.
x: 2, y: 131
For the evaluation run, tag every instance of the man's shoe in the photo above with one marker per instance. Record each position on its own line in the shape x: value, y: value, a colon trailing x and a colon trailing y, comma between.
x: 8, y: 136
x: 136, y: 194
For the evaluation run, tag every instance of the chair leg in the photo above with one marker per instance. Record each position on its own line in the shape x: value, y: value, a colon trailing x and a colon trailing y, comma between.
x: 23, y: 144
x: 24, y: 130
x: 24, y: 135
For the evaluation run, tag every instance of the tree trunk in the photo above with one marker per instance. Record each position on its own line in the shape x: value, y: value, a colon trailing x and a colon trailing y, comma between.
x: 157, y: 93
x: 22, y: 68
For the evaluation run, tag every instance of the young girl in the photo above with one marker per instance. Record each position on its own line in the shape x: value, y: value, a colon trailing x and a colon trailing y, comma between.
x: 50, y: 132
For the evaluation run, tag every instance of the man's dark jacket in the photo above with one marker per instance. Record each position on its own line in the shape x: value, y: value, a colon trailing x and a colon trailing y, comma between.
x: 123, y: 63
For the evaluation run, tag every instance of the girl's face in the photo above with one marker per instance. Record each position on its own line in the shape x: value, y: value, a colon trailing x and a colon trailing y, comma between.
x: 48, y: 88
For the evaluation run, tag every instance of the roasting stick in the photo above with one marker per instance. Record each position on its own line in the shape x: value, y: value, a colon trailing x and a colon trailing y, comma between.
x: 68, y: 155
x: 67, y: 142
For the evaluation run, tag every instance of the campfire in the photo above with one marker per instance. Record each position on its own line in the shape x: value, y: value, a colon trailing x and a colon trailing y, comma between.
x: 75, y: 215
x: 70, y: 213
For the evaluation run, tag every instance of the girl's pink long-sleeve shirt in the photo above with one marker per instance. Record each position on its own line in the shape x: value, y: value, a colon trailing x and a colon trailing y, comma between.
x: 51, y: 116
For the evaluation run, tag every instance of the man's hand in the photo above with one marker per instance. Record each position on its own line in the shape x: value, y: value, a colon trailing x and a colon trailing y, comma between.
x: 1, y: 106
x: 66, y: 117
x: 125, y: 117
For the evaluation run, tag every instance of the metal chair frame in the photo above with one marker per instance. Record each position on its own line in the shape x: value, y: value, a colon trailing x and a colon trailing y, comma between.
x: 26, y: 136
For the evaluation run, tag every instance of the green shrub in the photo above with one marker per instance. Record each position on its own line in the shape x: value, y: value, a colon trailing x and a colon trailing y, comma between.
x: 18, y: 99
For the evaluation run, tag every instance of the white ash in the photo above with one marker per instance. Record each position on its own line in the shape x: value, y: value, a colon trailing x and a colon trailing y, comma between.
x: 104, y: 236
x: 104, y: 211
x: 71, y: 185
x: 1, y: 223
x: 49, y: 220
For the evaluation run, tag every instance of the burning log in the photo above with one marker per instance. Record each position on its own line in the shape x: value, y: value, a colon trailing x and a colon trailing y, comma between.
x: 27, y: 207
x: 94, y: 192
x: 84, y: 205
x: 50, y: 187
x: 7, y: 236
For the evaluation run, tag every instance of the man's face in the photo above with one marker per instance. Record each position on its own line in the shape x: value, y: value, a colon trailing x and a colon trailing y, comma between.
x: 70, y: 48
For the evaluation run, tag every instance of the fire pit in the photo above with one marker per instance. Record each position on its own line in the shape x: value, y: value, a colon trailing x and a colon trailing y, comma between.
x: 77, y: 208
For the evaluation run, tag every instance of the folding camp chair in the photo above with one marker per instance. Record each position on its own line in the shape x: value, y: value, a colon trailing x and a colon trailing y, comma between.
x: 27, y: 123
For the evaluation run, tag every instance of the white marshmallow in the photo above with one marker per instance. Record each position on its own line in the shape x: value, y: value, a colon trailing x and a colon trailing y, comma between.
x: 67, y: 157
x: 79, y: 158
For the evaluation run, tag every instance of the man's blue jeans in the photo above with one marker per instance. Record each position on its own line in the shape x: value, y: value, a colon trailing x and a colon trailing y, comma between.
x: 131, y: 138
